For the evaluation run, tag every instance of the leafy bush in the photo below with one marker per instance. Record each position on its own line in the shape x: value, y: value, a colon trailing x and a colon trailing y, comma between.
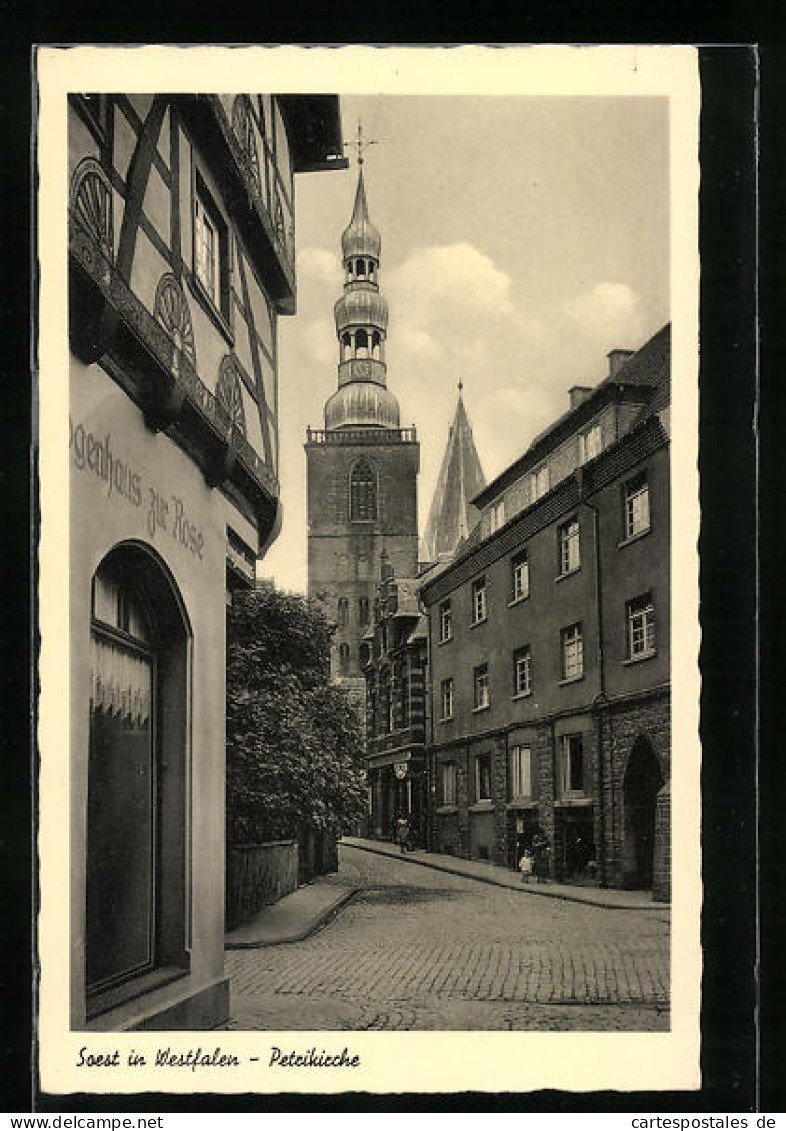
x: 294, y: 742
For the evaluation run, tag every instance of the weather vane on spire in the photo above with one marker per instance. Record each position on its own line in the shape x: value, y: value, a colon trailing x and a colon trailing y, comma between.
x: 460, y: 386
x: 361, y: 143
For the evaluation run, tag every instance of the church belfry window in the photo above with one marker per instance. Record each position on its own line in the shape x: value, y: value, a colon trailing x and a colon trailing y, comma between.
x: 363, y: 493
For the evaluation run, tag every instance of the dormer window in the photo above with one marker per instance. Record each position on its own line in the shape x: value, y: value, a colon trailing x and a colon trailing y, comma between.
x: 589, y: 443
x: 539, y: 482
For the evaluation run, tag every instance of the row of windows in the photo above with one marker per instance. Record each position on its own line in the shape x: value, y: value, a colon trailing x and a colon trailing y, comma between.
x: 343, y: 611
x: 590, y: 444
x: 521, y: 772
x: 640, y: 630
x: 636, y: 516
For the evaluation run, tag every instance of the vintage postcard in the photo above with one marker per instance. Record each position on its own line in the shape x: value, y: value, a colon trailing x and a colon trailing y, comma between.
x: 369, y: 611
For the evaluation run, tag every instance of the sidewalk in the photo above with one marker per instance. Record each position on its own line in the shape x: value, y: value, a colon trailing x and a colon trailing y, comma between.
x: 492, y: 874
x: 294, y: 917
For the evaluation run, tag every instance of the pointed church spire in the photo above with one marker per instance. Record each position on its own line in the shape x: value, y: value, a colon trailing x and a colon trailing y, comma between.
x: 451, y: 516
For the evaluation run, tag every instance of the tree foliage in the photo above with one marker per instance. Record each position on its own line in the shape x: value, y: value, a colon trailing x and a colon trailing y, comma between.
x: 294, y: 744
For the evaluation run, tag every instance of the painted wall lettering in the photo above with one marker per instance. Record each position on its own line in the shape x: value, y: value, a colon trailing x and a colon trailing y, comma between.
x: 166, y: 513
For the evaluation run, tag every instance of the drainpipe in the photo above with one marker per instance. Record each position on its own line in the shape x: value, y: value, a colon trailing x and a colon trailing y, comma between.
x: 428, y: 732
x: 600, y: 699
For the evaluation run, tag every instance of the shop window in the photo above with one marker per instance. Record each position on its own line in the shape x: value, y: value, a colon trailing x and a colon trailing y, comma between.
x: 522, y: 671
x: 136, y: 798
x: 570, y: 775
x: 572, y: 644
x: 363, y: 493
x: 636, y: 506
x: 211, y: 249
x: 446, y: 698
x: 520, y: 775
x: 641, y: 627
x: 481, y: 687
x: 448, y: 792
x: 569, y: 547
x: 483, y: 777
x: 519, y: 577
x: 445, y: 622
x: 479, y: 603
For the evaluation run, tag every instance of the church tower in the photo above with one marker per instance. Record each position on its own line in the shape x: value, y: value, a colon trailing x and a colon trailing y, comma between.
x: 362, y: 466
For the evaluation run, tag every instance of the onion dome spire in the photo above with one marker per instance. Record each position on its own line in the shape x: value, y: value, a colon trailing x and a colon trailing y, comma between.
x: 361, y: 315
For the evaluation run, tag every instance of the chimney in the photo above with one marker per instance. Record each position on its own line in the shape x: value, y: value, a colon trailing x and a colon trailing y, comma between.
x: 578, y: 394
x: 617, y: 359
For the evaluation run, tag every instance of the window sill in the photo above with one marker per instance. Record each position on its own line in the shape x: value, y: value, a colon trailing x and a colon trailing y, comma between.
x: 570, y: 679
x: 101, y: 1001
x: 576, y: 801
x: 479, y: 710
x: 445, y: 810
x: 475, y: 623
x: 210, y: 309
x: 485, y: 805
x: 447, y: 640
x: 634, y: 537
x: 639, y: 659
x: 448, y: 719
x: 567, y: 573
x: 518, y: 600
x: 522, y: 695
x: 522, y: 803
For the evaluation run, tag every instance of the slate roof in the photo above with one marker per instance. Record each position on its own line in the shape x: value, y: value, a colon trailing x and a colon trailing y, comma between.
x: 451, y: 516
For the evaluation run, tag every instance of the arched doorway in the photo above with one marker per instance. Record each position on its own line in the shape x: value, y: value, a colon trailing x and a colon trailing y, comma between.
x: 643, y: 778
x: 135, y: 913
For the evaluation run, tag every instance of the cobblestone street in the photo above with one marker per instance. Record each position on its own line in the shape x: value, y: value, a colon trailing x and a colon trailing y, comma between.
x: 420, y: 949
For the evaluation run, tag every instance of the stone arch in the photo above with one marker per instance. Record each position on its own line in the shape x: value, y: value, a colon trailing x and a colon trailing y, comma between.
x: 641, y: 783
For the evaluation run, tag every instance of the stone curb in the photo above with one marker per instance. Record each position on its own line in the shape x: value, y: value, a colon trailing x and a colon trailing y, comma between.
x: 529, y: 889
x: 298, y: 934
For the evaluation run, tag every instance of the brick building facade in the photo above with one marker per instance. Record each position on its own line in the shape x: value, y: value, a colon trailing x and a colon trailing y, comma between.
x: 549, y: 645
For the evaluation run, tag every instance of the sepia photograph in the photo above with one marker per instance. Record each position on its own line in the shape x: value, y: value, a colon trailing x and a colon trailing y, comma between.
x: 376, y: 582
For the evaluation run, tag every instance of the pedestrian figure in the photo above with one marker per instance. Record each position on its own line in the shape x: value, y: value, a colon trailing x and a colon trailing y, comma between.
x: 402, y: 832
x: 525, y: 865
x: 540, y: 852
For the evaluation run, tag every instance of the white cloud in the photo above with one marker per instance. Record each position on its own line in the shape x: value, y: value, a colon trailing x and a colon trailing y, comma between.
x: 451, y: 282
x: 321, y: 265
x: 610, y: 314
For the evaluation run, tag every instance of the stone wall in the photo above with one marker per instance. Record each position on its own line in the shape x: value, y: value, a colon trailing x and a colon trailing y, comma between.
x: 257, y: 875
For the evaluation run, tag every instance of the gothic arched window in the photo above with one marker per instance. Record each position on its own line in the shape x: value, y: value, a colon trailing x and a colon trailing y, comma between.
x: 343, y: 658
x: 363, y: 493
x: 343, y: 611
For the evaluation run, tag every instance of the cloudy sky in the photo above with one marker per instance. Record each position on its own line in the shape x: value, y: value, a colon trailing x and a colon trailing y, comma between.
x: 522, y: 239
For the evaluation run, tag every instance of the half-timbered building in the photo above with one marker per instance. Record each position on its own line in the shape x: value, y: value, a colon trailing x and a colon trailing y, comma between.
x: 181, y: 245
